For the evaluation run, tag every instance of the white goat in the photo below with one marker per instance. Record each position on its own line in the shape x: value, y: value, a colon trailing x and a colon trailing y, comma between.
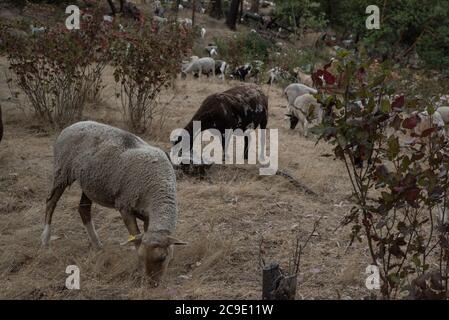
x: 304, y: 109
x: 296, y: 90
x: 200, y: 66
x: 159, y: 19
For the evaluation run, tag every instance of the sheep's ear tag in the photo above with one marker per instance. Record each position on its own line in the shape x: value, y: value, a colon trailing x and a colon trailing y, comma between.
x: 131, y: 238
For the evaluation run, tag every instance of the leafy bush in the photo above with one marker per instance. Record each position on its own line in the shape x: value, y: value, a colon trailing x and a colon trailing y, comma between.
x: 58, y: 69
x: 244, y: 47
x: 406, y: 26
x: 146, y: 62
x: 306, y: 14
x: 398, y: 188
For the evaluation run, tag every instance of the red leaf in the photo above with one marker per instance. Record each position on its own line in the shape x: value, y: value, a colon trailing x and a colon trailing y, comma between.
x: 360, y: 74
x: 410, y: 123
x: 398, y: 103
x: 328, y: 77
x: 398, y: 189
x: 412, y: 194
x: 428, y: 132
x: 316, y: 77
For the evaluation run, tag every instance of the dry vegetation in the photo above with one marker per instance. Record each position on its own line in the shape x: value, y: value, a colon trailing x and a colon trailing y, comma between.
x: 222, y: 217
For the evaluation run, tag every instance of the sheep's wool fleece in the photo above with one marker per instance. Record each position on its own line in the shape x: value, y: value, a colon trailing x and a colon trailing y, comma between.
x: 118, y: 169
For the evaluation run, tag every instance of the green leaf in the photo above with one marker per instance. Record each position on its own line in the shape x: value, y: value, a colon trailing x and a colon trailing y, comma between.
x: 385, y: 106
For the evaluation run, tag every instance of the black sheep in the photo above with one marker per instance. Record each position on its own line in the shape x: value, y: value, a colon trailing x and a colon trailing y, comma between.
x: 241, y: 107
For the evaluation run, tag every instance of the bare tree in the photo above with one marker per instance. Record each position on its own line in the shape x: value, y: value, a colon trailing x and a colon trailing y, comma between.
x: 193, y: 11
x: 175, y: 5
x: 233, y: 13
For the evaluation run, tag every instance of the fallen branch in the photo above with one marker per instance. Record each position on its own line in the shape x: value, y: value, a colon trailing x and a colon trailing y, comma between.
x: 295, y: 182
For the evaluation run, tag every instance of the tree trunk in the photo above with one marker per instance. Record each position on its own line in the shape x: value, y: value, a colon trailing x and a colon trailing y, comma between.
x: 175, y: 5
x: 233, y: 13
x: 111, y: 5
x: 255, y: 6
x: 215, y: 9
x: 275, y: 285
x: 240, y: 12
x: 193, y: 12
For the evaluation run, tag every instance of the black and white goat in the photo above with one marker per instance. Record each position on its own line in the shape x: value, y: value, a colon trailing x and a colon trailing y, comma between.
x: 240, y: 73
x: 220, y: 68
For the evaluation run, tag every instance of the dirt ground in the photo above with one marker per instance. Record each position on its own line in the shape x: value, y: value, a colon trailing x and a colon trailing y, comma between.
x: 223, y: 218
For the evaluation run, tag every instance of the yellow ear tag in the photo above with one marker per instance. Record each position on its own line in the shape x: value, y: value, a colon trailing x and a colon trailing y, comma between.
x: 131, y: 238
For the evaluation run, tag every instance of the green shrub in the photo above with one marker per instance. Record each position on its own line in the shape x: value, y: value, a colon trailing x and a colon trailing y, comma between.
x: 58, y: 68
x: 145, y: 63
x: 244, y: 47
x: 398, y: 189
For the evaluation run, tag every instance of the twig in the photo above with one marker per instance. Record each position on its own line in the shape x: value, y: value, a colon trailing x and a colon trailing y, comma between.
x: 300, y: 248
x: 295, y: 182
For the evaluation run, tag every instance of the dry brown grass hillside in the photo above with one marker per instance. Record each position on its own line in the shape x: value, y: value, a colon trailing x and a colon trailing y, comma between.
x: 222, y: 217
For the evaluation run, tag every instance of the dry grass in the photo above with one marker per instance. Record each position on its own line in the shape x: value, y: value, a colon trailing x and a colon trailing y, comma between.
x: 223, y: 218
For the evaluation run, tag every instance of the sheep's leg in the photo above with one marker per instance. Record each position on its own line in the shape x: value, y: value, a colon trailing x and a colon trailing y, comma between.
x: 52, y: 200
x: 146, y: 222
x: 226, y: 140
x: 131, y: 224
x: 263, y: 127
x: 247, y: 142
x: 301, y: 122
x: 84, y: 209
x: 306, y: 127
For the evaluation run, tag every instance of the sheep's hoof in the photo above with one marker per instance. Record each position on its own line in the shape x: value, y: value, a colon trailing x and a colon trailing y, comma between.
x: 45, y: 237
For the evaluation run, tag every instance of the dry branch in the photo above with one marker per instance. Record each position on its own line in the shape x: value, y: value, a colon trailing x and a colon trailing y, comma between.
x: 295, y: 182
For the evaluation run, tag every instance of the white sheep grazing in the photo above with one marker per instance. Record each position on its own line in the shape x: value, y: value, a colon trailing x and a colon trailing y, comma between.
x: 443, y: 100
x: 444, y: 112
x: 303, y: 78
x: 425, y: 122
x: 304, y: 108
x: 108, y: 18
x: 117, y: 169
x: 201, y: 66
x: 296, y: 90
x: 185, y: 21
x: 36, y: 30
x: 159, y: 19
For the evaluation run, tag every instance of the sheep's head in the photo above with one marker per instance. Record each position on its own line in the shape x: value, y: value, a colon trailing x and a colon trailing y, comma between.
x: 293, y: 120
x: 155, y: 252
